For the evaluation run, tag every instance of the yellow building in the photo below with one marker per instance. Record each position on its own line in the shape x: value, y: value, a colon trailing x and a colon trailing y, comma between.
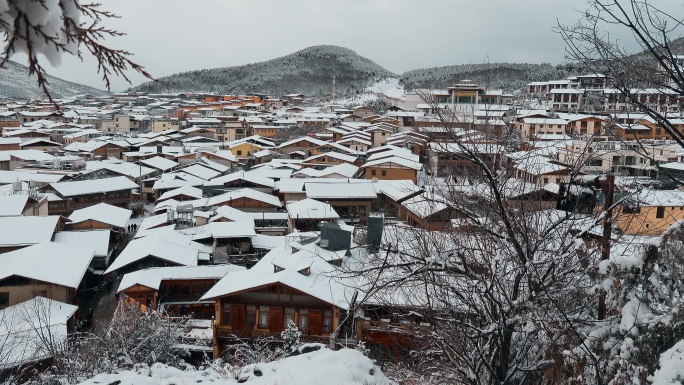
x: 245, y: 149
x: 651, y: 212
x: 393, y: 168
x: 165, y: 125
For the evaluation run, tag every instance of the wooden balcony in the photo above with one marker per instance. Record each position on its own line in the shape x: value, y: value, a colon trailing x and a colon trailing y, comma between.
x: 230, y: 335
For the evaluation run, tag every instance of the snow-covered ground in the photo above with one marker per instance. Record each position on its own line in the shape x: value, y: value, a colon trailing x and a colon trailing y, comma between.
x: 389, y: 87
x: 325, y: 366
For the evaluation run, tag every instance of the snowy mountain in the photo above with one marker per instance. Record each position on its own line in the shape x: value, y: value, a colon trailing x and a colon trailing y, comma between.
x: 15, y: 82
x: 309, y: 71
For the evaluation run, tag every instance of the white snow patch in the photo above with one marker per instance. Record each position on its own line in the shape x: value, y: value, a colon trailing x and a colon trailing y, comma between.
x: 671, y: 366
x: 325, y: 366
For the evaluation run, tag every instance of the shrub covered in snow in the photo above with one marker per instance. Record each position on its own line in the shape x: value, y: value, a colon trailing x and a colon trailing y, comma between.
x: 291, y: 337
x: 641, y: 340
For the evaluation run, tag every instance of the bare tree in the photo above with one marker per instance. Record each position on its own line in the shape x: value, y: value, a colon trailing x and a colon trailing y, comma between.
x: 131, y: 337
x: 54, y: 28
x: 508, y: 285
x: 592, y: 46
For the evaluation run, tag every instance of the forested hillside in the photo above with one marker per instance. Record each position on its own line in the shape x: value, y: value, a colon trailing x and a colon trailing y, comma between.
x: 309, y: 71
x: 15, y: 82
x: 508, y: 76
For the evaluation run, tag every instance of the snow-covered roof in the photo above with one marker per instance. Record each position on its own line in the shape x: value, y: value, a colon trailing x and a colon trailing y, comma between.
x: 268, y: 242
x: 273, y: 173
x: 104, y: 213
x: 94, y: 186
x: 319, y: 283
x: 200, y: 171
x: 395, y: 152
x: 395, y: 160
x: 296, y: 185
x: 12, y: 205
x: 27, y: 155
x: 153, y: 277
x: 176, y: 179
x: 190, y: 191
x: 425, y: 205
x: 120, y: 167
x: 538, y: 165
x: 244, y: 193
x: 396, y: 189
x: 241, y: 175
x: 32, y: 330
x: 331, y: 154
x: 559, y: 122
x: 159, y: 163
x: 171, y: 246
x: 673, y: 166
x: 309, y: 139
x: 232, y: 214
x: 218, y: 167
x: 355, y: 138
x: 237, y: 229
x: 7, y: 177
x: 23, y: 231
x: 343, y: 170
x: 97, y: 240
x: 311, y: 209
x: 669, y: 198
x: 51, y: 262
x: 340, y: 191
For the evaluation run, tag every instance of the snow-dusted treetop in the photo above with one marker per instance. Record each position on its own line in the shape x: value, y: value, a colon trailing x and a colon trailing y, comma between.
x: 51, y: 28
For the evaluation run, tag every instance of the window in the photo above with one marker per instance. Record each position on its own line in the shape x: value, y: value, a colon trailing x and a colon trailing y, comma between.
x: 660, y: 212
x: 327, y: 321
x: 303, y: 320
x: 225, y: 318
x: 250, y: 320
x: 4, y: 299
x: 384, y: 173
x: 263, y: 317
x: 373, y: 172
x: 41, y: 293
x: 239, y: 152
x: 289, y: 316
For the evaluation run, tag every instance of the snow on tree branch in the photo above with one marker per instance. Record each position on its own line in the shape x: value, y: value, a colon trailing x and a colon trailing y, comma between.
x: 52, y: 28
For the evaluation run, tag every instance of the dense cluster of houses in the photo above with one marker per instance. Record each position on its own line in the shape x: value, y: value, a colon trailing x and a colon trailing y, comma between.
x: 239, y: 210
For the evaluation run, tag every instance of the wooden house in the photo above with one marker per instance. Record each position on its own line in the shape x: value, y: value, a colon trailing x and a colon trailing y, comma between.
x: 70, y: 196
x: 289, y: 284
x: 47, y: 269
x: 175, y: 290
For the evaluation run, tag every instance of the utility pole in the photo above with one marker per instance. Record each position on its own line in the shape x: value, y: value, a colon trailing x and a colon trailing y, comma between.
x: 608, y: 190
x: 333, y: 90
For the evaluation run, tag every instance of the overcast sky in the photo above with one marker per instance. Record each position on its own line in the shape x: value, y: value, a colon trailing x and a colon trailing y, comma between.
x: 169, y: 36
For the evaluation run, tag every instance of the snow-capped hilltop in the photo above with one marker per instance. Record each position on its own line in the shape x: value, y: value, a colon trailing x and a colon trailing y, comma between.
x: 15, y: 82
x: 309, y: 71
